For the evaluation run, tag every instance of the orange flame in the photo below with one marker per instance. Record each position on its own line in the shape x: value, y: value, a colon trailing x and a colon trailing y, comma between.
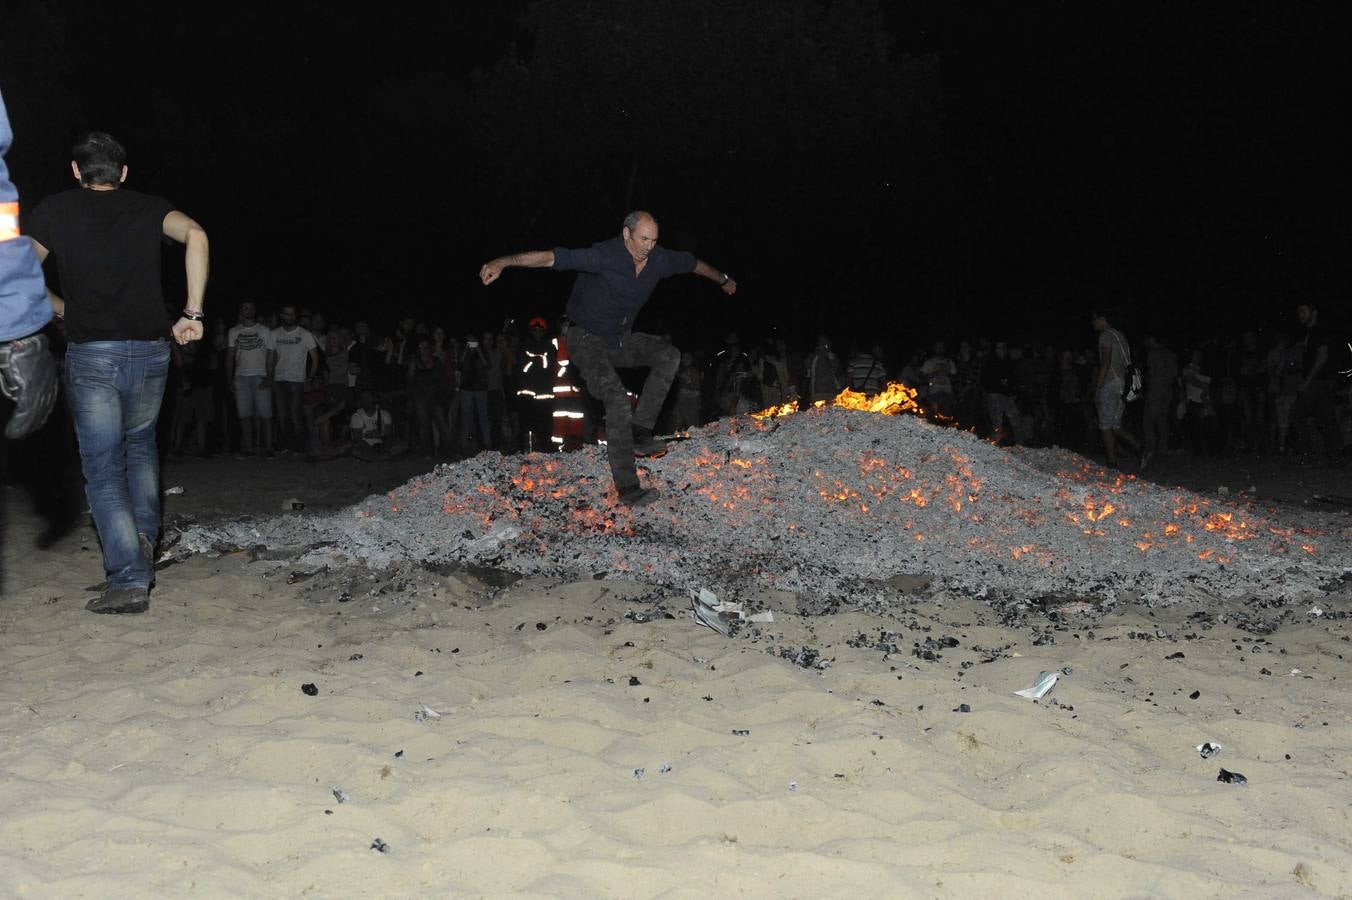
x: 893, y: 400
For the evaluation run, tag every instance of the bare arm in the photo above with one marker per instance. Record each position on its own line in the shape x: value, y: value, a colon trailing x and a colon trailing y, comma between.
x: 196, y: 263
x: 722, y: 279
x: 531, y: 259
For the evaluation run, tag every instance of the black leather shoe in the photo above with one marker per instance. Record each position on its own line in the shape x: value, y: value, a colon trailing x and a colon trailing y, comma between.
x: 120, y: 601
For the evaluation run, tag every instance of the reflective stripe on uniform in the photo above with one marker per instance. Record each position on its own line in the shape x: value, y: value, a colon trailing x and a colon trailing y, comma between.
x: 9, y: 221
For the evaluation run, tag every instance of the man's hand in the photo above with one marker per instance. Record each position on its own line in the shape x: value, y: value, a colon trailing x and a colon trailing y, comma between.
x: 28, y: 377
x: 187, y: 330
x: 726, y: 283
x: 491, y: 271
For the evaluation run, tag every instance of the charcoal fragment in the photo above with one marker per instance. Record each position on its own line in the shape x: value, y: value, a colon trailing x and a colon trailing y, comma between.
x: 309, y: 689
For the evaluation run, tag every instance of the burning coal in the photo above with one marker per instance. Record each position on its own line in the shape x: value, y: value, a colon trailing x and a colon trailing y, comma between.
x: 896, y: 399
x: 829, y: 503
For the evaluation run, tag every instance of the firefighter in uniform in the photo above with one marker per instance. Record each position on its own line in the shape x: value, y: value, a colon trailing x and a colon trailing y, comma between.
x: 536, y: 394
x: 570, y: 410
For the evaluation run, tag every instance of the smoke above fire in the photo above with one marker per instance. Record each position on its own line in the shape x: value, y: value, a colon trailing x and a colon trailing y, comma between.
x: 830, y: 503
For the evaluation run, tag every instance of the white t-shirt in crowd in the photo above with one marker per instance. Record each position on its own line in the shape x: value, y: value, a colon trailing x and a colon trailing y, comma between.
x: 250, y: 344
x: 370, y: 424
x: 291, y: 347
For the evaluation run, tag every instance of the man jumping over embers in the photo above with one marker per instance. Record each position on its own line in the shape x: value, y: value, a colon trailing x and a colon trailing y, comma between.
x: 616, y: 278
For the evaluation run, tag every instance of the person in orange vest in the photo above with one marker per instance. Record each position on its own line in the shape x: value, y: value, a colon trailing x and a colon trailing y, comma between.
x: 570, y: 413
x: 615, y: 279
x: 27, y: 370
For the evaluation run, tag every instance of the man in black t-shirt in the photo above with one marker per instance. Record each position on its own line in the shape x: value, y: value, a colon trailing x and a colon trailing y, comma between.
x: 106, y: 242
x: 1315, y: 397
x: 616, y: 278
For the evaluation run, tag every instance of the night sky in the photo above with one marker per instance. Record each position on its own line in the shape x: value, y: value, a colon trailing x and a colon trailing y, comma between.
x: 920, y: 169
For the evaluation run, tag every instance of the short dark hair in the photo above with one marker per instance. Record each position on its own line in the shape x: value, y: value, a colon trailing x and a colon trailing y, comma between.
x: 100, y: 158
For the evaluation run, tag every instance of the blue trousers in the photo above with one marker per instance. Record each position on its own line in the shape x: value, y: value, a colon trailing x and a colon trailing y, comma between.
x: 115, y: 388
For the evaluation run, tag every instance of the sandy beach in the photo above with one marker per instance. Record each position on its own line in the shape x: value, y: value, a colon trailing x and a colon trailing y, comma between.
x: 587, y: 737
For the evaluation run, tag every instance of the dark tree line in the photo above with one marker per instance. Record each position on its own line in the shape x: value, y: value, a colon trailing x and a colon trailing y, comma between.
x: 342, y: 153
x: 940, y: 159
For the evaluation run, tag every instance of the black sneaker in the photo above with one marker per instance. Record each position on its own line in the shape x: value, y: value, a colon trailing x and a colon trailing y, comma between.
x: 647, y: 445
x: 637, y: 496
x: 119, y: 601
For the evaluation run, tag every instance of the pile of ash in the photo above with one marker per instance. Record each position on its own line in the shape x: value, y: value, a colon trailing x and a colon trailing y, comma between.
x: 832, y: 504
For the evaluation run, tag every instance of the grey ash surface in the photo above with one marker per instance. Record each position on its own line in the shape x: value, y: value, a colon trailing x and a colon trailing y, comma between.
x: 836, y: 506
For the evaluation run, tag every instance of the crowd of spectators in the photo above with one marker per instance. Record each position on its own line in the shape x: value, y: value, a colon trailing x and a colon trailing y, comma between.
x: 285, y: 381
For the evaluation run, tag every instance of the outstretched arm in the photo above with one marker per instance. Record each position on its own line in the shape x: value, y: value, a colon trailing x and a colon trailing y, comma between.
x: 722, y: 279
x: 531, y: 259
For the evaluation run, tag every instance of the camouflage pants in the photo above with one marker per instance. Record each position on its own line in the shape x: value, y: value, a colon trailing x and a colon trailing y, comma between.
x: 596, y: 359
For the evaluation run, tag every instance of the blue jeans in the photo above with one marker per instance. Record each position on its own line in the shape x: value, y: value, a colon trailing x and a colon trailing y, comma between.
x: 115, y: 388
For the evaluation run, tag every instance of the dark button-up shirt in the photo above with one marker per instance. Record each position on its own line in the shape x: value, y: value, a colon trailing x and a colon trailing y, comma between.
x: 607, y: 295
